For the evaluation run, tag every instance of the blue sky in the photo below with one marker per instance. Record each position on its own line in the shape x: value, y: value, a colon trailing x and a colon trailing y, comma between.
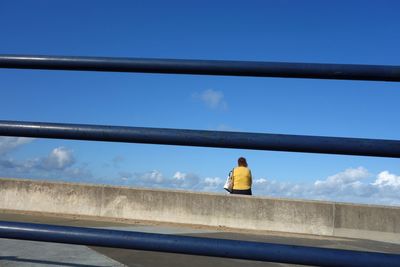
x: 357, y: 32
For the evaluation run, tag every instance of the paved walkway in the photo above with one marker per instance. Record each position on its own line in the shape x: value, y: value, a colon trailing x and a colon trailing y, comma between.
x: 29, y: 253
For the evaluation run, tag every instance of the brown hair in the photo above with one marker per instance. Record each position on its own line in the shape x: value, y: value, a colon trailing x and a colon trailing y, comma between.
x: 242, y: 162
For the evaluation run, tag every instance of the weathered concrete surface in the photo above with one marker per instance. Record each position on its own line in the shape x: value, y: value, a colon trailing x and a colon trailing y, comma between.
x: 367, y: 221
x: 242, y: 212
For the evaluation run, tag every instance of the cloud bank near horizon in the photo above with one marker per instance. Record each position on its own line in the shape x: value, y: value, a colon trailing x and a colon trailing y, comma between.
x: 60, y: 163
x: 350, y: 185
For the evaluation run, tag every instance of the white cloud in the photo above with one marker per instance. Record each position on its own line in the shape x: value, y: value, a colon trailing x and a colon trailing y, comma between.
x: 149, y: 179
x: 156, y: 179
x: 269, y: 187
x: 7, y: 144
x: 180, y: 176
x: 386, y: 179
x: 214, y: 181
x: 59, y: 164
x: 260, y: 181
x: 212, y: 98
x: 125, y: 176
x: 185, y: 180
x: 214, y: 184
x: 342, y: 181
x: 59, y: 158
x: 152, y: 177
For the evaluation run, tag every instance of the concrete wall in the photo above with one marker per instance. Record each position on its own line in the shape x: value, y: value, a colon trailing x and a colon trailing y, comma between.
x: 244, y: 212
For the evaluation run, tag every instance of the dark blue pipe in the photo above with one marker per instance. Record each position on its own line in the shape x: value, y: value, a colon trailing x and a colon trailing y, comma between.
x: 205, y: 67
x: 256, y: 141
x: 196, y: 246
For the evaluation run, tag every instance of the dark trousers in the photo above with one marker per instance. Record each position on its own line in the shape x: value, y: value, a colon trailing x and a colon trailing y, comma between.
x: 241, y: 192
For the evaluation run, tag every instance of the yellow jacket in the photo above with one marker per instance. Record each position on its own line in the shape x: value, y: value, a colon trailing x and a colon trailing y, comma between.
x: 241, y: 178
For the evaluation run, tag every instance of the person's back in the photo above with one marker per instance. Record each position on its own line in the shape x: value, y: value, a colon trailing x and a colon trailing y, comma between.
x: 242, y: 178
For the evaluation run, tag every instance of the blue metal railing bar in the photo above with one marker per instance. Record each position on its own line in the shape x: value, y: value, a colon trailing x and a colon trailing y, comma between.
x: 241, y: 140
x: 196, y: 246
x: 205, y: 67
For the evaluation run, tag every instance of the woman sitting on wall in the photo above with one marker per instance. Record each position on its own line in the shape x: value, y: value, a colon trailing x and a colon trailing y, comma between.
x: 242, y: 179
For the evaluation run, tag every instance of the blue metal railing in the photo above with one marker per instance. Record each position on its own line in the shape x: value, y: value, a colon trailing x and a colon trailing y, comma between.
x: 205, y: 67
x: 236, y: 249
x: 258, y: 141
x: 277, y: 142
